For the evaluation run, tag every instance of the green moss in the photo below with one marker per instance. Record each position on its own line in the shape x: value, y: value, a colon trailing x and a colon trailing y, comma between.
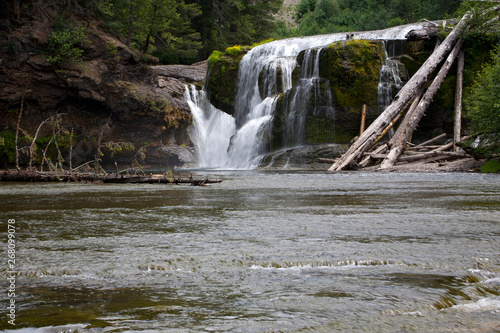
x: 233, y: 51
x: 222, y: 81
x: 492, y: 166
x: 353, y: 71
x: 325, y: 130
x: 214, y: 58
x: 262, y: 42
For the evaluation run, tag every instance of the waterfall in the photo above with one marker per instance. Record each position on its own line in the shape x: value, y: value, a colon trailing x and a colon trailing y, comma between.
x: 390, y: 80
x: 236, y: 143
x: 212, y: 129
x: 296, y: 101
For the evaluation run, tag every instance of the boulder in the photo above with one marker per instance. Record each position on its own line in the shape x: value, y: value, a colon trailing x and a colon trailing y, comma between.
x: 302, y: 157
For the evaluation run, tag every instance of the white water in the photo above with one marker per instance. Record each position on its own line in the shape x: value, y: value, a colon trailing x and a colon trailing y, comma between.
x: 253, y: 112
x: 390, y: 81
x: 211, y: 131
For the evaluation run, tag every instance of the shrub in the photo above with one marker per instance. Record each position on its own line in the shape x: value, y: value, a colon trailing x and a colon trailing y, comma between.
x: 63, y: 45
x: 483, y: 106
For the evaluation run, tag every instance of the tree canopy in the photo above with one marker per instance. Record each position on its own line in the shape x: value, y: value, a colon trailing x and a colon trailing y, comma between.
x: 329, y: 16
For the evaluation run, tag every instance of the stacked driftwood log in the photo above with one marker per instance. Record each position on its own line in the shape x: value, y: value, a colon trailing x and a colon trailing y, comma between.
x: 410, y: 104
x: 83, y: 177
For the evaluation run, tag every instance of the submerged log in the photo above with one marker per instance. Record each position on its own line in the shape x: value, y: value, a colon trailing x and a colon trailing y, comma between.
x: 40, y: 176
x: 402, y: 99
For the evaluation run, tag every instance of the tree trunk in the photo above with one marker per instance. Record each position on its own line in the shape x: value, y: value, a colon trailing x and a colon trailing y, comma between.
x: 407, y: 118
x: 130, y: 23
x: 37, y: 176
x: 146, y: 46
x: 417, y: 114
x: 18, y: 124
x: 443, y: 154
x: 402, y: 99
x: 363, y: 119
x: 439, y: 137
x: 458, y: 101
x: 150, y: 32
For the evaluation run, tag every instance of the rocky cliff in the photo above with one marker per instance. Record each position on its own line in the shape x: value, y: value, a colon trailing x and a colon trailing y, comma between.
x: 113, y: 104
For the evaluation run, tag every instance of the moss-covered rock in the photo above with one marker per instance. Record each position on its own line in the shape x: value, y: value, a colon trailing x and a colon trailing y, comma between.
x: 223, y: 77
x: 415, y: 53
x: 330, y: 107
x: 352, y: 68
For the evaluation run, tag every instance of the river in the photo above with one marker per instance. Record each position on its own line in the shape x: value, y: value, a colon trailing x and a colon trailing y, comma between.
x: 260, y: 252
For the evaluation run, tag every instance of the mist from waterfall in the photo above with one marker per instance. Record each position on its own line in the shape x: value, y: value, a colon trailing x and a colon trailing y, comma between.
x: 238, y: 142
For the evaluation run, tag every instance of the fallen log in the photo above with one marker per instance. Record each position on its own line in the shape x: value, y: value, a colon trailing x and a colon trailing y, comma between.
x: 388, y: 128
x: 41, y: 176
x: 376, y: 156
x: 326, y: 160
x: 406, y: 119
x: 425, y: 33
x: 449, y: 145
x: 439, y: 137
x: 414, y: 118
x: 422, y: 156
x: 402, y: 99
x: 380, y: 150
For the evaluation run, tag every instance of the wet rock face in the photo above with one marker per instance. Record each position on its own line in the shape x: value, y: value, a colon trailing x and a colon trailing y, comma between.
x: 222, y: 80
x: 302, y: 157
x: 113, y: 90
x: 328, y: 105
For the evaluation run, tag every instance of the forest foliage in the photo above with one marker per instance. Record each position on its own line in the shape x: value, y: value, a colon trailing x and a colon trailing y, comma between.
x: 329, y: 16
x: 186, y: 31
x: 180, y: 31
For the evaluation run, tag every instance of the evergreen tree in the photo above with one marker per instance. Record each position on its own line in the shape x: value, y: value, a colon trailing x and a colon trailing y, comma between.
x: 225, y: 23
x: 160, y: 27
x: 328, y: 16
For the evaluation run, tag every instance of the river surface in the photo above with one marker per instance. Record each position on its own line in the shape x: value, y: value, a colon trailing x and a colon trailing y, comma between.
x: 260, y: 252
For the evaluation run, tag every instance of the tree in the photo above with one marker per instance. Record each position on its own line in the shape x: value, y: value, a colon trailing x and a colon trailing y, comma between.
x: 224, y: 23
x: 328, y: 16
x: 163, y: 28
x: 180, y: 43
x: 483, y: 105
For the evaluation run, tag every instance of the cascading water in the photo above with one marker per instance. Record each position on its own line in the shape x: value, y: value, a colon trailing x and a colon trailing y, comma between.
x: 225, y: 142
x: 390, y: 81
x: 211, y: 131
x: 295, y: 102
